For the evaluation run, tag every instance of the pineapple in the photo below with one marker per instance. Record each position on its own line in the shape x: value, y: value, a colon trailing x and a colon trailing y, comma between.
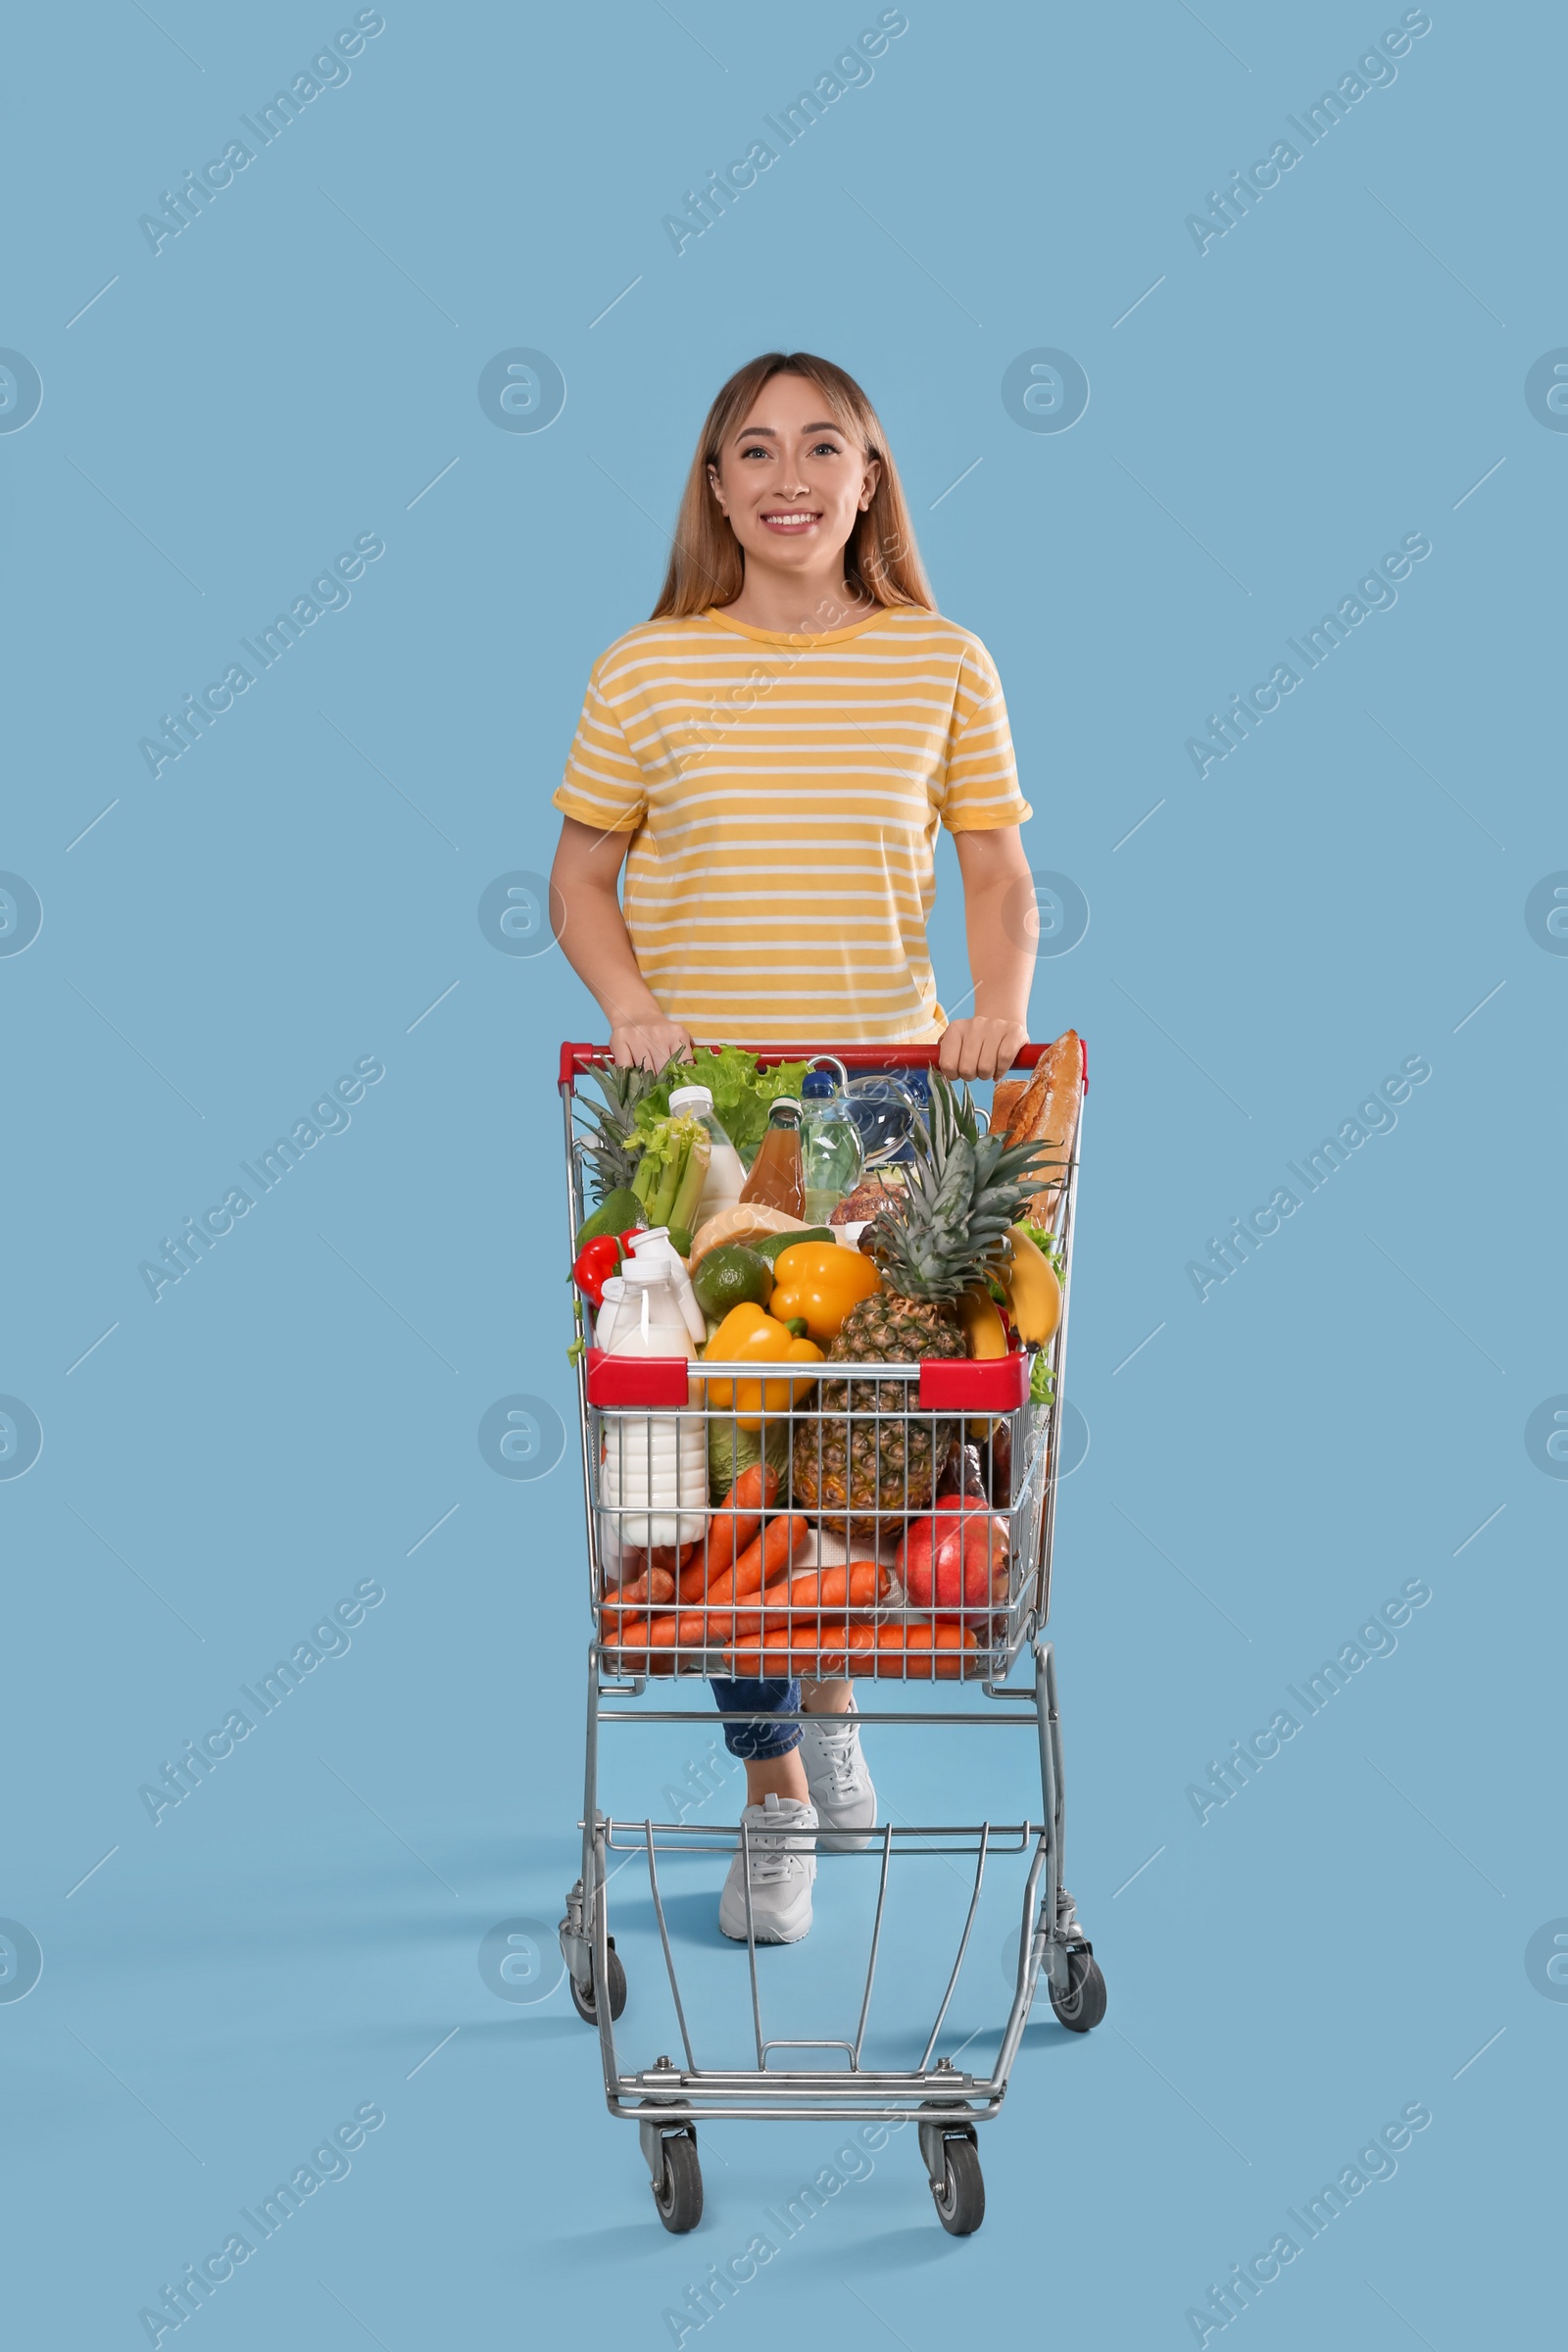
x: 612, y: 1146
x: 964, y: 1190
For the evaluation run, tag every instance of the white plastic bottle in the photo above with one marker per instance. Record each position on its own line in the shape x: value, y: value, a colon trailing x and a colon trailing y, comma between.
x: 726, y: 1174
x: 656, y: 1247
x: 653, y: 1481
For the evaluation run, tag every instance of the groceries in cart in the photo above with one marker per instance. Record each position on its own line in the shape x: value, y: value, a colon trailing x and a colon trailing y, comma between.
x: 799, y: 1497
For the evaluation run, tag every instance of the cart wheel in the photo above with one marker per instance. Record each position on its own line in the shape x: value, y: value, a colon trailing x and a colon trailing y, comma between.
x: 678, y: 2191
x: 586, y: 2003
x: 1082, y: 2006
x: 960, y: 2195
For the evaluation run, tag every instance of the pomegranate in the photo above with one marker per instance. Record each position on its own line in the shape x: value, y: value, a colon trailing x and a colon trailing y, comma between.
x: 954, y: 1558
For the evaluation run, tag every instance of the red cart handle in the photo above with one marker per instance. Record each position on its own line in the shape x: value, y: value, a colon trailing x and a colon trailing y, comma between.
x: 996, y: 1384
x: 577, y: 1061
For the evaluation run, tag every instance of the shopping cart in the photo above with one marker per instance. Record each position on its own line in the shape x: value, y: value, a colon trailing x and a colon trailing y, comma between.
x: 999, y: 1427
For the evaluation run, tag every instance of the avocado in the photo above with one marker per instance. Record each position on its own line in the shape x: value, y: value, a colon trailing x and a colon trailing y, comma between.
x: 618, y: 1213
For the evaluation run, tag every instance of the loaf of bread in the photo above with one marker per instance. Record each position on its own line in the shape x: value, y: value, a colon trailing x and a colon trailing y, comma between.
x: 1048, y: 1114
x: 1005, y: 1096
x: 746, y: 1222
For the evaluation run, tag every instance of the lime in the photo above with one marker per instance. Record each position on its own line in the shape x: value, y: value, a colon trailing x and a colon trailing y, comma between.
x: 732, y: 1276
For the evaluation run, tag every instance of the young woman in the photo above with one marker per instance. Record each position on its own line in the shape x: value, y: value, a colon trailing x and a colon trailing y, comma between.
x: 776, y: 749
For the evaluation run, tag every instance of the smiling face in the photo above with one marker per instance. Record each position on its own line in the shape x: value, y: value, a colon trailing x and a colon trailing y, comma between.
x: 792, y: 481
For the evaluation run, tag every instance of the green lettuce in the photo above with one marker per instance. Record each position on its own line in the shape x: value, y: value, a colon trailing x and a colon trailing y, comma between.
x: 1048, y: 1247
x: 741, y: 1092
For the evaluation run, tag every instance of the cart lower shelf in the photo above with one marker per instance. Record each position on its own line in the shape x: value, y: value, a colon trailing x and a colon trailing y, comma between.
x: 668, y: 2099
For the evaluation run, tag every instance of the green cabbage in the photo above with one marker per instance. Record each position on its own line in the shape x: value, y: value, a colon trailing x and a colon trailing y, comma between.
x: 732, y: 1450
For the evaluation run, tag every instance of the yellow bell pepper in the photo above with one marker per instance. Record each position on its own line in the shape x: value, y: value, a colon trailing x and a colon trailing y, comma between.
x: 820, y: 1282
x: 748, y: 1335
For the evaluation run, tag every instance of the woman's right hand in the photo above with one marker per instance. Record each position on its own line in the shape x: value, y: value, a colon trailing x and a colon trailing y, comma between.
x: 648, y: 1043
x: 597, y: 945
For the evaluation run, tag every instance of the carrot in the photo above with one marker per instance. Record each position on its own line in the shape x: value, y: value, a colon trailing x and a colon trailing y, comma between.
x: 791, y: 1650
x: 856, y: 1585
x: 665, y: 1559
x: 788, y: 1651
x: 824, y: 1656
x: 688, y: 1630
x: 621, y: 1631
x: 730, y: 1528
x: 863, y: 1582
x: 864, y: 1651
x: 924, y: 1650
x: 760, y: 1560
x: 644, y: 1645
x: 654, y: 1585
x: 760, y: 1570
x: 819, y: 1596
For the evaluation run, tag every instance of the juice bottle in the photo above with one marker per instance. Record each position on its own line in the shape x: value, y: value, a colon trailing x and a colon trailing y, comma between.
x: 778, y: 1178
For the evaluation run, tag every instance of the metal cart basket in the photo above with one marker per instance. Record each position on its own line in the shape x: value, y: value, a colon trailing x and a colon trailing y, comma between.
x: 988, y: 1428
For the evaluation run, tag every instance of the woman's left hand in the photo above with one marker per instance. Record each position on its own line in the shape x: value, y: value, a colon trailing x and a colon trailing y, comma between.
x: 981, y: 1048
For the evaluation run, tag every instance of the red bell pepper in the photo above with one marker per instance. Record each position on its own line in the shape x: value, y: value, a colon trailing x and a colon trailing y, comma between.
x: 596, y: 1261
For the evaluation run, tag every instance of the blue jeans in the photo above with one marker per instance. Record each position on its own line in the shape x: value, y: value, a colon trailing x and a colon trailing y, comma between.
x: 761, y: 1742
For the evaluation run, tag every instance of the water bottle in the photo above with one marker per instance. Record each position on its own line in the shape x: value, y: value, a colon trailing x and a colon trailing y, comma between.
x: 884, y: 1111
x: 917, y: 1084
x: 653, y: 1481
x: 831, y: 1152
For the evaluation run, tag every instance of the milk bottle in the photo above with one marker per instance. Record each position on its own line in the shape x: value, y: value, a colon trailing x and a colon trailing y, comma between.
x: 722, y: 1185
x: 653, y: 1481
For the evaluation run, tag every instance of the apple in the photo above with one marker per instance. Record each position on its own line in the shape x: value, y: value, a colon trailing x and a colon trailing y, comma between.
x: 954, y: 1558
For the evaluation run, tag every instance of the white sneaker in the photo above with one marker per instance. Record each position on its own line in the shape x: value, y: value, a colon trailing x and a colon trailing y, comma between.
x: 840, y: 1784
x: 781, y: 1875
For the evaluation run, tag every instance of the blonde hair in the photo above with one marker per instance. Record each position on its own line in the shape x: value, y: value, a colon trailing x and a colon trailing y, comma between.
x: 880, y: 558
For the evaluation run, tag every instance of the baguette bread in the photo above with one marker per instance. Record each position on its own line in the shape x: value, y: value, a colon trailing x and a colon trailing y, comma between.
x: 1026, y: 1110
x: 1005, y: 1096
x: 1054, y: 1121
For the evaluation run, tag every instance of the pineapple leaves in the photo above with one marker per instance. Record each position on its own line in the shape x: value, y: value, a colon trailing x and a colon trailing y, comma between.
x: 610, y: 1143
x: 965, y: 1190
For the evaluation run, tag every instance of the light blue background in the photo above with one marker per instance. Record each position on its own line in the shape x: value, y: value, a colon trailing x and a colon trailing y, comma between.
x: 292, y: 372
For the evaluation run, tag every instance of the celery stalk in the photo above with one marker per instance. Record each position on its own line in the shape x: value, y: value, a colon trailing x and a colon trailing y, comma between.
x: 665, y: 1191
x: 645, y: 1183
x: 661, y: 1172
x: 689, y: 1191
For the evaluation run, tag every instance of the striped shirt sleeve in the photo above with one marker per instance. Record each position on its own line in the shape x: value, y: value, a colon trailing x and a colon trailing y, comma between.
x: 980, y: 776
x: 603, y: 786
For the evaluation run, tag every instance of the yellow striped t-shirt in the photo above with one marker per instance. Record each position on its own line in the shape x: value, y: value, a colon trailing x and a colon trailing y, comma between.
x: 784, y: 794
